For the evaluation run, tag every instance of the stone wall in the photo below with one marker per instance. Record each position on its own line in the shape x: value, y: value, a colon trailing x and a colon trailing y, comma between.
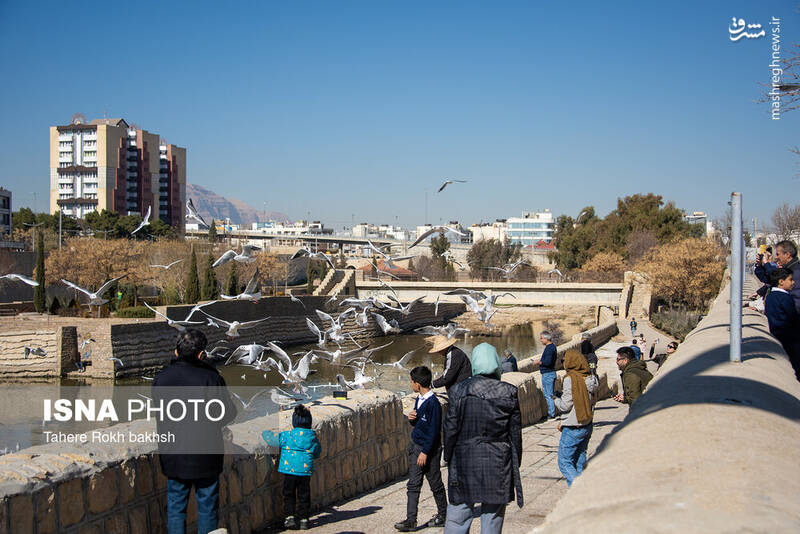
x: 59, y: 343
x: 707, y: 447
x: 147, y: 346
x: 99, y: 488
x: 636, y: 299
x: 599, y: 335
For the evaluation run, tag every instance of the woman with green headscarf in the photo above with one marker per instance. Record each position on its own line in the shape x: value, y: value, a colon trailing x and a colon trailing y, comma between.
x: 576, y: 402
x: 482, y: 445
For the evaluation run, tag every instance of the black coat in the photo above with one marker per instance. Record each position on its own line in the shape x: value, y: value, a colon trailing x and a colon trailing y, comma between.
x: 483, y: 442
x: 192, y: 380
x: 457, y: 367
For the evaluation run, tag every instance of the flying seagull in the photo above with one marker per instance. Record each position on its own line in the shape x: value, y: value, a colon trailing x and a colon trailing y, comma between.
x: 448, y: 182
x: 434, y: 230
x: 165, y: 267
x: 245, y: 257
x: 94, y: 297
x: 145, y: 221
x: 234, y: 326
x: 37, y: 351
x: 250, y: 291
x: 21, y: 278
x: 180, y: 325
x: 191, y: 213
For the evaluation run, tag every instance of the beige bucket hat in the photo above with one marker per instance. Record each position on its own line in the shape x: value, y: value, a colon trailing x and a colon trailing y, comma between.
x: 440, y: 343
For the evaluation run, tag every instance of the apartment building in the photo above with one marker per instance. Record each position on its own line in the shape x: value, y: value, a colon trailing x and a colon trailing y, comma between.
x: 109, y: 164
x: 5, y: 212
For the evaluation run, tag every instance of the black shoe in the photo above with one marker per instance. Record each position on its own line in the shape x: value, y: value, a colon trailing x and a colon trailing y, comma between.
x: 406, y: 526
x: 304, y: 524
x: 437, y: 521
x: 289, y: 522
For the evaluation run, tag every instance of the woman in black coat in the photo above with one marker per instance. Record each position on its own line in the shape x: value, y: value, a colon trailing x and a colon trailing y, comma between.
x: 482, y: 445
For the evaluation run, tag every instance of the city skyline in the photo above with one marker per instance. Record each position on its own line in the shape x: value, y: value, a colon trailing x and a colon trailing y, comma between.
x: 535, y: 106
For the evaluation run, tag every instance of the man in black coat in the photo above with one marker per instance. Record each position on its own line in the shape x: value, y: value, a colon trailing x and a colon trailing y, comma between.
x: 196, y: 456
x: 456, y: 367
x: 482, y: 445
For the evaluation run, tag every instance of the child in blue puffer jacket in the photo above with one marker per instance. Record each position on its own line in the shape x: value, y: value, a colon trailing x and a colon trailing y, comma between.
x: 299, y: 447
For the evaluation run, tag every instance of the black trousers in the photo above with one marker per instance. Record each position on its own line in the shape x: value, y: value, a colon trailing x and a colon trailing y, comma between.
x: 302, y: 487
x: 432, y: 471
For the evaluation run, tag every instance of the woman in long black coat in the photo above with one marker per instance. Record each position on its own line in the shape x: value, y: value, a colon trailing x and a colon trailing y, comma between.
x: 482, y: 445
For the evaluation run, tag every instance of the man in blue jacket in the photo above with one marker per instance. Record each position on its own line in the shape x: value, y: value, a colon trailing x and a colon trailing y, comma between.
x: 424, y: 451
x: 547, y: 366
x: 786, y: 255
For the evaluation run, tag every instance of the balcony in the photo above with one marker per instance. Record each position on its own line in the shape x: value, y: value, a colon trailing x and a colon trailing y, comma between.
x: 131, y: 143
x: 65, y: 137
x: 133, y: 168
x: 66, y: 158
x: 90, y: 136
x: 132, y: 159
x: 131, y: 134
x: 163, y: 189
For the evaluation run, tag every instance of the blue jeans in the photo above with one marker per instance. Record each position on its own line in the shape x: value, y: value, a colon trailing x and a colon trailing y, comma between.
x: 548, y: 385
x: 206, y: 491
x: 572, y: 450
x: 459, y: 518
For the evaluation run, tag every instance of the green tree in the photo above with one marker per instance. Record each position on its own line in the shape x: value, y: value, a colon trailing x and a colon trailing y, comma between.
x: 103, y: 224
x: 232, y: 285
x: 411, y: 265
x: 192, y: 294
x: 212, y: 232
x: 210, y: 291
x: 160, y: 228
x: 440, y: 245
x: 39, y: 301
x: 22, y: 219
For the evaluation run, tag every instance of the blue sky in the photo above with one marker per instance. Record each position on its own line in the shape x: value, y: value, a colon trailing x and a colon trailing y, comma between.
x: 352, y: 110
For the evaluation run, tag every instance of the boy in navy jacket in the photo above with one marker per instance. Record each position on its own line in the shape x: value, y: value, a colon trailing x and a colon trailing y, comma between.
x: 424, y: 451
x: 782, y: 316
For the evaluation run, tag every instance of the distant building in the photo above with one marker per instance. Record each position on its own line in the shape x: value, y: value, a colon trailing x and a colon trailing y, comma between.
x: 531, y: 228
x: 699, y: 217
x: 108, y: 164
x: 383, y: 231
x: 5, y: 212
x: 497, y: 230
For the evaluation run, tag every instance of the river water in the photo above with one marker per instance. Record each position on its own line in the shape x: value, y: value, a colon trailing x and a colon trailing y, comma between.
x: 23, y: 425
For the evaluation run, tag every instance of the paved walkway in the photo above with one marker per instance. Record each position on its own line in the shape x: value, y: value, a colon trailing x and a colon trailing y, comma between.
x: 376, y: 512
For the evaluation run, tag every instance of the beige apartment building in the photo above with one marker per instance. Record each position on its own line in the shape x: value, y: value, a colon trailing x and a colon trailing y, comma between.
x: 108, y: 164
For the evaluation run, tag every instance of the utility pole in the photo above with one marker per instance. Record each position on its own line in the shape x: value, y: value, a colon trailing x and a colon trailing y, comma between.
x: 737, y: 272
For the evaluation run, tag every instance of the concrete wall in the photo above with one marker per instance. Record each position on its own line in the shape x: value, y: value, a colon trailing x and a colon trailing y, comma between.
x: 527, y: 293
x: 60, y: 344
x: 709, y: 447
x: 599, y: 335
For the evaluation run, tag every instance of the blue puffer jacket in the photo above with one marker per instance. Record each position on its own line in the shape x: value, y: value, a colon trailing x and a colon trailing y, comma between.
x: 299, y: 447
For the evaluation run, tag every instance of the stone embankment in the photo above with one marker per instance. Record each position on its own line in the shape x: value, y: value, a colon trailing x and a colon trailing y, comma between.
x: 145, y: 345
x: 707, y: 448
x: 59, y: 345
x: 103, y: 488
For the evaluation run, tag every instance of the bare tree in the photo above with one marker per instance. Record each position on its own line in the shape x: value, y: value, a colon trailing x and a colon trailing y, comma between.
x: 639, y: 242
x: 786, y: 221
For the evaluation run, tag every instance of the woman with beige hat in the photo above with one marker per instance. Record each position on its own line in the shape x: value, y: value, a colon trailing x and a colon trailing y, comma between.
x: 457, y: 366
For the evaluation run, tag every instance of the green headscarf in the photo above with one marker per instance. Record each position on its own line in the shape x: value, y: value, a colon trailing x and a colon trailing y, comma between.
x: 485, y: 361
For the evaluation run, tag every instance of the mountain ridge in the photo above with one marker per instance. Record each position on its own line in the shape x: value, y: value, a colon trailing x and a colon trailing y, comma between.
x: 211, y: 205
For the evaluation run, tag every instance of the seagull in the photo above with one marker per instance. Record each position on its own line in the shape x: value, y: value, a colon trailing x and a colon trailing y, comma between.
x: 508, y: 268
x: 191, y: 213
x: 116, y: 360
x: 386, y: 326
x: 448, y: 182
x: 306, y: 251
x: 405, y: 310
x: 401, y: 363
x: 234, y: 326
x: 322, y: 336
x: 196, y: 308
x: 249, y: 292
x: 435, y: 229
x: 449, y: 257
x: 249, y: 403
x: 21, y: 278
x: 338, y: 356
x: 334, y: 333
x: 94, y: 298
x: 84, y: 343
x: 555, y: 271
x: 297, y: 300
x: 145, y: 221
x: 165, y: 267
x: 387, y: 259
x: 247, y: 354
x: 436, y: 305
x: 387, y: 273
x: 38, y: 351
x: 291, y: 374
x: 450, y: 330
x: 478, y: 295
x: 179, y: 325
x: 283, y: 399
x: 246, y: 256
